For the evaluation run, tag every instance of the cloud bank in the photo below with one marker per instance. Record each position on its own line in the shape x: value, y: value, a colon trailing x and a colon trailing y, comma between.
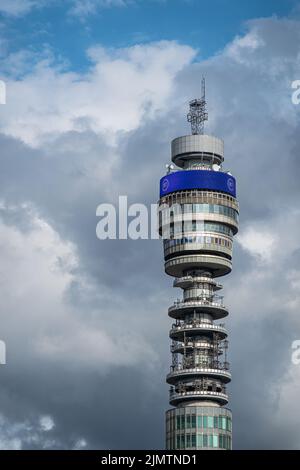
x: 84, y: 320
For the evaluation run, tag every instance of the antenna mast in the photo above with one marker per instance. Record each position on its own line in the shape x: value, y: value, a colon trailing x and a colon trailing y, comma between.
x: 198, y: 114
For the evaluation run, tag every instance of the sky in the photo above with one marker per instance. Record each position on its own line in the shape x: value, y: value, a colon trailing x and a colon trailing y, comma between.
x: 96, y: 90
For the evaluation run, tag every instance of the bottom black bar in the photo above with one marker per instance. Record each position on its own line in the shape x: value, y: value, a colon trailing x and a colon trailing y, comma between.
x: 143, y: 459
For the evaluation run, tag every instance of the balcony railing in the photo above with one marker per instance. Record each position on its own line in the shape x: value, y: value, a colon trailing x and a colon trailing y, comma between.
x: 199, y: 300
x: 214, y: 365
x: 199, y: 324
x: 196, y: 279
x: 218, y: 345
x: 204, y: 385
x: 191, y: 344
x: 180, y: 396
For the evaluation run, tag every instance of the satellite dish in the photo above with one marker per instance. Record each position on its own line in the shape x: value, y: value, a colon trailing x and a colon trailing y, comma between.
x: 216, y: 167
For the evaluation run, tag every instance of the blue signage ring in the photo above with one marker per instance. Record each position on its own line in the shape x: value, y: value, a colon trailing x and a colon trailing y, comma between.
x: 198, y: 179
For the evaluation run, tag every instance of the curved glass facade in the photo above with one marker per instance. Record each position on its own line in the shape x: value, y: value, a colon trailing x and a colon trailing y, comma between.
x: 197, y: 239
x: 199, y: 226
x: 206, y: 208
x: 195, y: 427
x: 177, y: 220
x: 200, y: 196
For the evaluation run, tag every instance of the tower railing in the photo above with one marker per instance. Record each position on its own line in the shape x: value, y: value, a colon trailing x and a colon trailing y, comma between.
x: 179, y: 325
x: 214, y: 365
x: 199, y: 299
x: 199, y: 385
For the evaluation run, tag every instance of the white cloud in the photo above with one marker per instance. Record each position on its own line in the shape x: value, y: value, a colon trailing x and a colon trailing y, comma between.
x: 19, y: 7
x: 19, y: 435
x: 16, y: 435
x: 260, y: 243
x: 10, y: 444
x: 83, y: 8
x: 270, y: 242
x: 79, y: 8
x: 121, y: 87
x: 242, y: 46
x: 46, y: 267
x: 46, y: 423
x: 80, y: 444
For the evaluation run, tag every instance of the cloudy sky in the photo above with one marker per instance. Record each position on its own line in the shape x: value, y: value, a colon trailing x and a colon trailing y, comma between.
x: 96, y: 89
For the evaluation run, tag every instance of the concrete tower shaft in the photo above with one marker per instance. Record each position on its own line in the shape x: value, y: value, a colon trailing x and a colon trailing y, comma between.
x: 198, y: 217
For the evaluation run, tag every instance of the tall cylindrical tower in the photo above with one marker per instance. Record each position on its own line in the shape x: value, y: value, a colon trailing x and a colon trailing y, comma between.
x: 198, y: 217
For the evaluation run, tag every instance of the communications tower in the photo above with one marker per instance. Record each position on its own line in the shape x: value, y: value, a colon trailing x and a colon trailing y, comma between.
x: 198, y: 217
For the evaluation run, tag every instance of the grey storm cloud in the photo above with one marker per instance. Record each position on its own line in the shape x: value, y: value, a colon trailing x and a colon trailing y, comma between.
x: 85, y: 321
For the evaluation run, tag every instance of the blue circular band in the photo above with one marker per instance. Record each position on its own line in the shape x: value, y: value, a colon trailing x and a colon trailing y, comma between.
x: 198, y: 179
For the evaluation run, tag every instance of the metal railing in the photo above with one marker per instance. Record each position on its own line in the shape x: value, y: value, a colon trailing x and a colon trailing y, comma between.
x: 198, y: 324
x: 219, y: 345
x: 197, y: 279
x: 174, y: 395
x: 199, y: 196
x: 203, y: 385
x: 192, y: 344
x: 200, y: 300
x: 215, y: 365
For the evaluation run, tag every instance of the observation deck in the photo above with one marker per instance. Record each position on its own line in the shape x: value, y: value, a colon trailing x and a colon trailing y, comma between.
x: 179, y: 373
x: 180, y: 308
x: 197, y: 328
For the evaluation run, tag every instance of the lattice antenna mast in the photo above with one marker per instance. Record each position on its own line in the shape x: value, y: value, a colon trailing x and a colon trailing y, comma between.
x: 198, y: 113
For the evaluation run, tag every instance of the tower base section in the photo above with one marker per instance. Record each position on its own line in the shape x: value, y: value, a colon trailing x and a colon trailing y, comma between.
x: 198, y: 427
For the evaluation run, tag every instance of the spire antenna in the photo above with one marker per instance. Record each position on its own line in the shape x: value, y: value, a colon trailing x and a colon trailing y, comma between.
x: 198, y: 114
